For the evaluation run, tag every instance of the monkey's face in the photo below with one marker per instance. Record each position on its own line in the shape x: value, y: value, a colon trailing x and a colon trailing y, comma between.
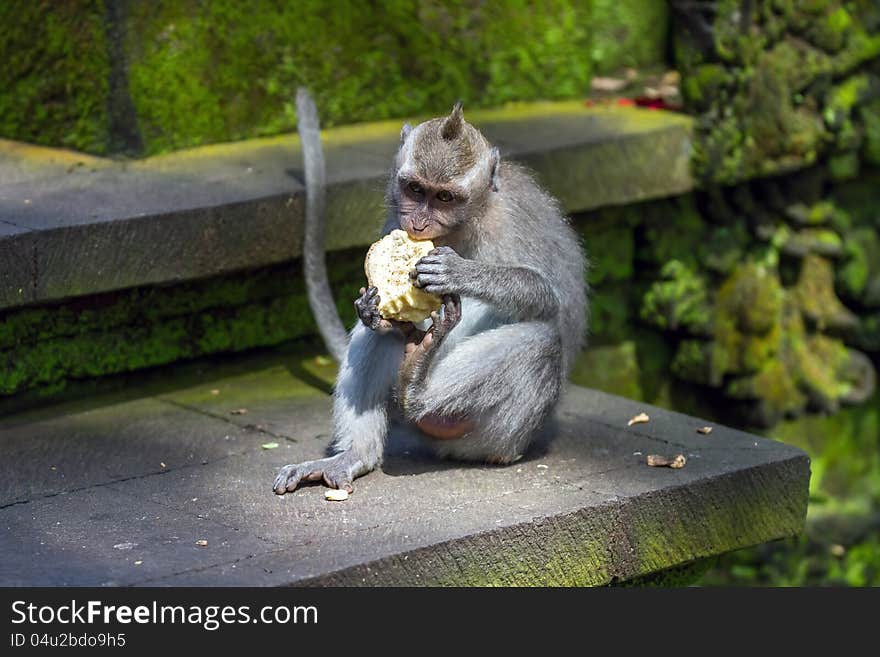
x: 430, y: 211
x: 444, y: 172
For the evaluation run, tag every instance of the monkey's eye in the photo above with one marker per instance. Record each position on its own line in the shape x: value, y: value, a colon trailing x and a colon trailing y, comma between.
x: 416, y: 188
x: 444, y: 196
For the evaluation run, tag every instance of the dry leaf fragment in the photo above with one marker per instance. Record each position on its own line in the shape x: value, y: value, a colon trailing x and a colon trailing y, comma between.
x: 215, y: 391
x: 336, y: 494
x: 202, y: 542
x: 658, y: 461
x: 704, y: 430
x: 238, y: 411
x: 608, y: 84
x: 269, y: 445
x: 638, y: 419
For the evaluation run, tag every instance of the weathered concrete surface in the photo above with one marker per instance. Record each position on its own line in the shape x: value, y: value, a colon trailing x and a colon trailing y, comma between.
x: 118, y: 491
x: 86, y: 225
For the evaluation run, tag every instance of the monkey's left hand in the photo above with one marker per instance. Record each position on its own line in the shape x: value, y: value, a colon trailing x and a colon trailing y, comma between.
x: 440, y: 272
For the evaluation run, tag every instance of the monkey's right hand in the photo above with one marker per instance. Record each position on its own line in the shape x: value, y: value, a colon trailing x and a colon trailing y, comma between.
x: 367, y: 307
x: 337, y: 471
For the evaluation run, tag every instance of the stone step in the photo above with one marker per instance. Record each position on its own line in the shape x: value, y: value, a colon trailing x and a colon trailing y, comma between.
x: 73, y: 224
x: 120, y: 489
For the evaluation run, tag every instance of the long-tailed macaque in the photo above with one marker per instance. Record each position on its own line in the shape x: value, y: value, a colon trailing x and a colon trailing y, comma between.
x: 510, y: 271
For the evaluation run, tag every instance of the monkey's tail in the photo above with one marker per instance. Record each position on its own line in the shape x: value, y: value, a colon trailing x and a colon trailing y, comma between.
x: 317, y: 283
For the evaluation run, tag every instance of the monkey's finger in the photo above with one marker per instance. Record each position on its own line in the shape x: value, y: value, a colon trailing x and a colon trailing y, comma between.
x: 430, y: 279
x: 428, y: 260
x: 430, y: 268
x: 286, y: 476
x: 372, y: 291
x: 438, y: 290
x: 340, y: 483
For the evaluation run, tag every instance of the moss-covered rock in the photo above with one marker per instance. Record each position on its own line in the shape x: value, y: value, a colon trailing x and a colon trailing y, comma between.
x: 777, y: 85
x: 611, y: 368
x: 55, y: 76
x: 677, y: 301
x: 870, y: 119
x: 816, y: 296
x: 135, y: 329
x: 859, y: 277
x: 813, y: 240
x: 724, y: 247
x: 189, y: 72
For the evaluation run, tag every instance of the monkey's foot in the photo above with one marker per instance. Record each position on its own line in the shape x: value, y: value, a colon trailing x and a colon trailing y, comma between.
x: 337, y: 471
x: 444, y: 427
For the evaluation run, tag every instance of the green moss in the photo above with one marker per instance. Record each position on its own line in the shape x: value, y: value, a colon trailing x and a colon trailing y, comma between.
x: 613, y: 368
x: 678, y: 576
x: 821, y: 241
x: 611, y: 309
x: 672, y: 230
x: 202, y: 73
x: 830, y: 31
x: 199, y: 72
x: 704, y: 84
x: 870, y: 117
x: 614, y: 260
x: 145, y: 327
x: 816, y: 297
x: 862, y: 266
x: 677, y: 301
x: 628, y: 33
x: 694, y: 362
x: 724, y: 247
x: 54, y: 80
x: 845, y: 457
x: 843, y: 98
x: 780, y: 91
x: 843, y: 166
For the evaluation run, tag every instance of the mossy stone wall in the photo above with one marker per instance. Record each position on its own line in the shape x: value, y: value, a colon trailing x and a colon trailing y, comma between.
x: 148, y: 77
x: 779, y: 84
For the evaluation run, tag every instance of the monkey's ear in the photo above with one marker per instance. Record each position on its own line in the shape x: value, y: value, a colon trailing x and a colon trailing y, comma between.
x: 404, y: 132
x: 452, y: 125
x: 494, y: 162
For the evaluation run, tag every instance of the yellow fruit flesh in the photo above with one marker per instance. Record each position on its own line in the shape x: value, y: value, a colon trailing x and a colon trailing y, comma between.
x: 388, y: 265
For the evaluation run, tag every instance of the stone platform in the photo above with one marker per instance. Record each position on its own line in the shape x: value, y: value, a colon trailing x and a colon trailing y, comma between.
x: 74, y: 225
x: 163, y: 484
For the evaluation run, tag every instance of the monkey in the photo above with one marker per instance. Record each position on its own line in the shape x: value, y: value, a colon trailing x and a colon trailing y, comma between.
x: 482, y: 379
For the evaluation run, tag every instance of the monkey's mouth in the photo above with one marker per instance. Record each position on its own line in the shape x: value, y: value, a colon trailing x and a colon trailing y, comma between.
x: 428, y: 231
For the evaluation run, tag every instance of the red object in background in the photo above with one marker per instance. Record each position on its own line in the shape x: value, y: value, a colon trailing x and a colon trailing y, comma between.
x: 639, y: 101
x: 655, y: 103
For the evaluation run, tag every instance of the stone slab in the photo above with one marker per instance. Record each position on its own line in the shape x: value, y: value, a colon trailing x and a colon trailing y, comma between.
x: 581, y: 507
x: 97, y: 536
x: 48, y: 454
x: 90, y: 225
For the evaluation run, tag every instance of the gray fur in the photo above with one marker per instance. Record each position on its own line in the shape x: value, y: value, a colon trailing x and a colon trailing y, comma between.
x: 516, y: 264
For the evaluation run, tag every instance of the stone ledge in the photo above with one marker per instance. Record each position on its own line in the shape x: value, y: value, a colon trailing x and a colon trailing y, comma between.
x: 117, y: 490
x: 73, y: 224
